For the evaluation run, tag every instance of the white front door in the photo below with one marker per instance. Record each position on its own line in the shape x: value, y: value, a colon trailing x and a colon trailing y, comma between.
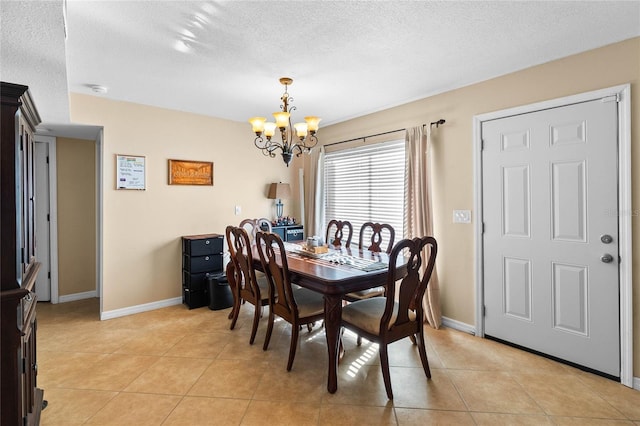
x: 550, y: 242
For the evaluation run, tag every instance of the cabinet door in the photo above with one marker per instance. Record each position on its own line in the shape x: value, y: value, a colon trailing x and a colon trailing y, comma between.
x: 196, y: 264
x: 295, y: 234
x: 203, y: 246
x: 280, y: 231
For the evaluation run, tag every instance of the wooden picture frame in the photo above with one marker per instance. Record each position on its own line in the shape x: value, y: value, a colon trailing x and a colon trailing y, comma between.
x: 130, y: 172
x: 187, y: 172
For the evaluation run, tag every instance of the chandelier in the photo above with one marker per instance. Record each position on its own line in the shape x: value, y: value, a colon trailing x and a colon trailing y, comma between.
x: 296, y: 139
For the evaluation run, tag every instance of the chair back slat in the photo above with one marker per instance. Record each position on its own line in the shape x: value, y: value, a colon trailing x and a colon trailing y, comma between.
x: 276, y: 268
x: 412, y: 285
x: 242, y: 259
x: 339, y: 233
x: 378, y: 234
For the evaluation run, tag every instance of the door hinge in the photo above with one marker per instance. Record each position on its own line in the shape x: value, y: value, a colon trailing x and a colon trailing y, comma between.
x: 612, y: 98
x: 481, y: 144
x: 484, y: 311
x: 48, y: 217
x: 47, y: 159
x: 483, y: 227
x: 49, y: 274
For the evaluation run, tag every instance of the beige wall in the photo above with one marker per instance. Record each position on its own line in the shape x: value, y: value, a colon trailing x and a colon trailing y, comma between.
x: 76, y: 181
x: 141, y: 245
x: 453, y: 153
x: 142, y: 229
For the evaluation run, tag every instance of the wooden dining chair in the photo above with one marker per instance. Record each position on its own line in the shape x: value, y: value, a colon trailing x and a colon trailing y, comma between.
x: 252, y: 226
x: 339, y: 233
x: 246, y: 286
x: 379, y: 235
x: 298, y: 307
x: 383, y: 320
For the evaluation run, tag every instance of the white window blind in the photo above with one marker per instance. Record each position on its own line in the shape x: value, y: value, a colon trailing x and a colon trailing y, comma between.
x: 366, y: 184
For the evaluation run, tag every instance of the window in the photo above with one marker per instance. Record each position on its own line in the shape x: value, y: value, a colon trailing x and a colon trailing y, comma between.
x: 366, y: 184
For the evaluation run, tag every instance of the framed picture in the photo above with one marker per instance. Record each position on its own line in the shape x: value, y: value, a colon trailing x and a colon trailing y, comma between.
x: 130, y: 172
x: 185, y: 172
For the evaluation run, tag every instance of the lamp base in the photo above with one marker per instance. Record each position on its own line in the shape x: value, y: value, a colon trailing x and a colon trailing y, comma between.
x: 279, y: 208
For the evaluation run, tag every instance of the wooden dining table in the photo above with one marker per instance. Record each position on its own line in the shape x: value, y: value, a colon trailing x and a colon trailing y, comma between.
x: 341, y: 271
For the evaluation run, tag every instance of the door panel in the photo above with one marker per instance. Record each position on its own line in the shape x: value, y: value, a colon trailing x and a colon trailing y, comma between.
x: 549, y: 186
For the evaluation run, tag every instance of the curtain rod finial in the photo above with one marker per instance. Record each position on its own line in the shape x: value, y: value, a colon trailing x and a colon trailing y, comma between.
x: 438, y: 123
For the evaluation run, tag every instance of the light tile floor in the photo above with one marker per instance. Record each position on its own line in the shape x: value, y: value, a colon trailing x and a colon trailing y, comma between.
x: 175, y: 366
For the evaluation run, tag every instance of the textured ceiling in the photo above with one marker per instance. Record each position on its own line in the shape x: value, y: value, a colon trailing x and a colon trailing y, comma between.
x: 347, y: 58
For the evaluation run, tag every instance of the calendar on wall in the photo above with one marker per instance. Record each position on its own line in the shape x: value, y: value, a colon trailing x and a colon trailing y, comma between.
x: 130, y: 172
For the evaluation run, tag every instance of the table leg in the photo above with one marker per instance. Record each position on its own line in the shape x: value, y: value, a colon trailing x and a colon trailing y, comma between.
x: 332, y: 319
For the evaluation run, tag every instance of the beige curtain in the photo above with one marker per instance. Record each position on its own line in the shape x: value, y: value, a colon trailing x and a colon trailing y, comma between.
x: 314, y: 188
x: 418, y: 219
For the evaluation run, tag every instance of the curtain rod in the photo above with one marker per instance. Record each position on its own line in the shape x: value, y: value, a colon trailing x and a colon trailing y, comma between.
x: 437, y: 123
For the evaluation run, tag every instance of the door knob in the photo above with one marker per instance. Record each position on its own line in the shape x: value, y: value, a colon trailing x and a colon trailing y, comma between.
x: 607, y: 258
x: 607, y: 239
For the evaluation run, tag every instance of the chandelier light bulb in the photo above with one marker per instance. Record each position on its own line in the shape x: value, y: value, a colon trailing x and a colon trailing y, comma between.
x: 257, y: 124
x: 301, y: 130
x: 282, y: 119
x: 269, y: 129
x: 312, y: 123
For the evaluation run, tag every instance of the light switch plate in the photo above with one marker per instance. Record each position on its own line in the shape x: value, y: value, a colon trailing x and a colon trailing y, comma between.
x: 238, y: 210
x: 462, y: 216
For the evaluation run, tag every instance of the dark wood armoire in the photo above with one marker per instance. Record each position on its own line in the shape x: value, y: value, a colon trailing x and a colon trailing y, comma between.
x: 20, y: 398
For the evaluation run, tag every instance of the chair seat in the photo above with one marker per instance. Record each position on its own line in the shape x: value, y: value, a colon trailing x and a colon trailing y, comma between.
x: 366, y: 314
x: 365, y: 294
x: 309, y: 302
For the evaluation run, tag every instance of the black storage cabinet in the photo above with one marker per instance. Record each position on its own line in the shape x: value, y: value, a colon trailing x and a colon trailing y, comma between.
x: 289, y: 232
x: 201, y: 255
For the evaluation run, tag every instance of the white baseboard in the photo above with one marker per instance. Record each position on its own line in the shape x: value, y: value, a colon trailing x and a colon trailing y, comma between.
x: 77, y: 296
x: 140, y: 308
x: 636, y: 383
x: 457, y: 325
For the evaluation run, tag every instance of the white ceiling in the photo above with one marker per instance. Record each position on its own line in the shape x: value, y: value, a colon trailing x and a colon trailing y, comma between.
x: 347, y: 58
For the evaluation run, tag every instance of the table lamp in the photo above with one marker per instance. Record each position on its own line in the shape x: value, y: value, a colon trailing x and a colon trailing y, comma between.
x: 278, y: 191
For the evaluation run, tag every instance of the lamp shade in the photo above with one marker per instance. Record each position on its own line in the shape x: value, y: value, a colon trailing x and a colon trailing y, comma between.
x: 279, y: 190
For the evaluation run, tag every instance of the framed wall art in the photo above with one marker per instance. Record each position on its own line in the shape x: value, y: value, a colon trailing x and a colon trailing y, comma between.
x: 186, y: 172
x: 130, y: 172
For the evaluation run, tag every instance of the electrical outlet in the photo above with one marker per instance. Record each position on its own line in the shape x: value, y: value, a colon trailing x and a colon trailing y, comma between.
x: 238, y: 210
x: 462, y: 216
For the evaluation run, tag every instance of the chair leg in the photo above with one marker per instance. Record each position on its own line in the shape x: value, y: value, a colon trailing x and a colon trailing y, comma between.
x: 235, y: 311
x: 359, y: 340
x: 267, y: 337
x: 423, y: 354
x: 412, y: 337
x: 384, y: 363
x: 232, y: 286
x: 257, y: 313
x: 292, y: 348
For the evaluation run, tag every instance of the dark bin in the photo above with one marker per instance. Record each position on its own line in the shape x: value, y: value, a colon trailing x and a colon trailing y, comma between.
x: 220, y: 296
